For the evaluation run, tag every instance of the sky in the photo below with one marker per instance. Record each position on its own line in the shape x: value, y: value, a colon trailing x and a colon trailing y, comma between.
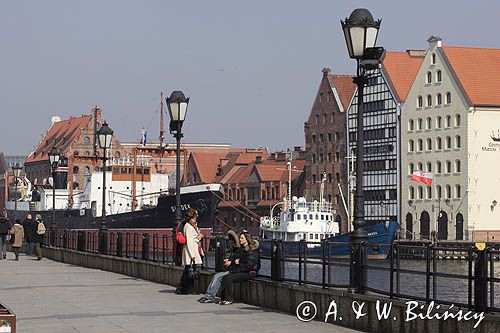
x: 250, y: 68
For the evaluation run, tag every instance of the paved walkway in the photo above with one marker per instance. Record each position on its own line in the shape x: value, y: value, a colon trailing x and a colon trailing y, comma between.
x: 52, y: 297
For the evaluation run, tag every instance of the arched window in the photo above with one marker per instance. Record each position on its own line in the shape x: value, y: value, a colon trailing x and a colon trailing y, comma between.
x: 458, y: 191
x: 324, y: 118
x: 314, y: 138
x: 458, y: 142
x: 429, y: 144
x: 419, y: 124
x: 420, y: 101
x: 411, y: 146
x: 321, y: 138
x: 313, y: 158
x: 448, y: 167
x: 439, y: 143
x: 329, y: 137
x: 429, y: 123
x: 457, y: 166
x: 317, y: 119
x: 439, y: 122
x: 438, y: 192
x: 429, y: 100
x: 438, y: 167
x: 411, y: 125
x: 448, y: 121
x: 448, y: 98
x: 420, y: 145
x: 411, y: 168
x: 439, y: 76
x: 420, y: 166
x: 457, y: 120
x: 420, y: 192
x: 448, y: 192
x: 439, y: 99
x: 429, y: 192
x: 429, y: 78
x: 429, y: 167
x: 433, y: 59
x: 448, y: 142
x: 412, y: 192
x: 86, y: 171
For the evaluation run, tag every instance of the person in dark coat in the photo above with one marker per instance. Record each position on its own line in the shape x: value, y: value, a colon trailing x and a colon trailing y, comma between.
x: 39, y: 235
x: 4, y: 231
x: 29, y: 234
x: 246, y: 267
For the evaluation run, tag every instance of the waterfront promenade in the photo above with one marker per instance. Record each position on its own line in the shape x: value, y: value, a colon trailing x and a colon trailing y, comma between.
x: 53, y: 297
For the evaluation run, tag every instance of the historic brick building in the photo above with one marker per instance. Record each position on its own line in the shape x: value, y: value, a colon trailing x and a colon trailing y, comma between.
x: 325, y: 137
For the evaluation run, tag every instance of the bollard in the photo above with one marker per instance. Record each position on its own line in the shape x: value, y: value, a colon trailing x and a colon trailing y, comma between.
x: 481, y: 279
x: 145, y: 247
x: 276, y: 262
x: 119, y: 244
x: 219, y: 254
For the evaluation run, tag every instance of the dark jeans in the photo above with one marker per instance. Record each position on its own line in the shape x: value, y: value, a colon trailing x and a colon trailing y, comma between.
x: 228, y: 283
x: 186, y: 285
x: 3, y: 246
x: 38, y: 250
x: 16, y: 251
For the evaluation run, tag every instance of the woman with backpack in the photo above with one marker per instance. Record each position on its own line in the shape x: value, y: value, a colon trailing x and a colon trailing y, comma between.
x: 39, y: 235
x: 191, y: 253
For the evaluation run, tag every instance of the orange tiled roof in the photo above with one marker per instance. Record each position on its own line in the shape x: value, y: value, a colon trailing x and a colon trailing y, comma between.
x: 207, y: 164
x: 478, y: 71
x: 61, y: 134
x: 241, y: 175
x: 276, y: 171
x: 401, y: 70
x: 344, y: 86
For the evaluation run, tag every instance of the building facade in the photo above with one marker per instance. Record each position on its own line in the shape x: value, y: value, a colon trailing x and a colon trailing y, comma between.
x: 450, y: 129
x: 325, y: 138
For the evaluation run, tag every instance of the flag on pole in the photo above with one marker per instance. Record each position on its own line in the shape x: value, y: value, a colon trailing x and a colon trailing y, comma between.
x: 422, y: 177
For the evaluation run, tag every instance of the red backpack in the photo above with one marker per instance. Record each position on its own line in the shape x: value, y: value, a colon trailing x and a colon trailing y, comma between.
x: 179, y: 235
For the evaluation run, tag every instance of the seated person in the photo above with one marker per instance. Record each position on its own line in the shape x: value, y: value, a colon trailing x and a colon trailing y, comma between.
x: 229, y: 258
x: 245, y: 267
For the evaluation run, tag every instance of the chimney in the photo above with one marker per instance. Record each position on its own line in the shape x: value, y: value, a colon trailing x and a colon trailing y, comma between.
x: 434, y: 40
x: 416, y: 53
x: 326, y: 71
x: 258, y: 159
x: 55, y: 119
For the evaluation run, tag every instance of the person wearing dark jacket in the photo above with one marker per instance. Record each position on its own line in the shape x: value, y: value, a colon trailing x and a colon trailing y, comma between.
x: 29, y: 234
x: 4, y: 231
x: 39, y: 235
x: 230, y: 256
x: 246, y: 267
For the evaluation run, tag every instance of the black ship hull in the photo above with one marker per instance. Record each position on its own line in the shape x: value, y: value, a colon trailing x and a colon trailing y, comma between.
x: 162, y: 216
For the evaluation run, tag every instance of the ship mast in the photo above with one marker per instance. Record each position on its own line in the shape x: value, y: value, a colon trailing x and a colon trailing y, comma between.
x: 321, y: 190
x: 162, y: 136
x: 352, y: 186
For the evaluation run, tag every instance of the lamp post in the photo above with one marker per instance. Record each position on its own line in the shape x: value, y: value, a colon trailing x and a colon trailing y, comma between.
x: 360, y: 32
x: 177, y: 105
x: 105, y: 136
x: 16, y: 169
x: 54, y: 163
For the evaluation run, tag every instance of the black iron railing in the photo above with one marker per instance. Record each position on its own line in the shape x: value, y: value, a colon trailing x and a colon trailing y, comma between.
x: 412, y: 270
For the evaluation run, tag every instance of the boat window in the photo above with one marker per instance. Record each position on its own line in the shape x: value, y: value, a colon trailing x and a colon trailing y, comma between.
x: 317, y: 217
x: 316, y: 236
x: 116, y: 170
x: 298, y: 217
x: 310, y: 216
x: 322, y: 217
x: 321, y: 236
x: 305, y: 216
x: 124, y: 170
x: 310, y: 236
x: 139, y: 171
x: 146, y: 171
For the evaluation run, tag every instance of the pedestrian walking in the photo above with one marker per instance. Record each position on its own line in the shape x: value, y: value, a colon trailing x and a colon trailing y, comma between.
x: 191, y: 253
x: 4, y: 231
x: 39, y: 235
x: 29, y: 234
x: 17, y: 232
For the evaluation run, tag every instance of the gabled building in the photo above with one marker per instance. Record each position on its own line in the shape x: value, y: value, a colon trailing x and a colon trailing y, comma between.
x: 451, y: 128
x: 384, y: 96
x: 325, y: 138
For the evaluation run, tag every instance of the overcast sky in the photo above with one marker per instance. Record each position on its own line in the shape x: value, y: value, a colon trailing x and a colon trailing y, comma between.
x: 251, y: 68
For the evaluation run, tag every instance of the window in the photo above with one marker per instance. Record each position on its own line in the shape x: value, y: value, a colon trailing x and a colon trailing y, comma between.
x: 448, y: 167
x: 420, y: 145
x: 439, y: 192
x: 420, y: 192
x: 439, y: 143
x: 438, y: 167
x: 448, y: 98
x: 458, y: 142
x: 329, y: 177
x: 337, y: 136
x: 324, y: 118
x: 458, y: 191
x: 314, y: 138
x: 448, y: 121
x: 457, y: 166
x: 320, y: 158
x: 411, y: 168
x: 411, y: 146
x: 457, y: 120
x: 448, y: 142
x: 317, y: 119
x: 448, y: 192
x: 429, y: 144
x: 439, y: 99
x: 86, y: 171
x: 439, y: 76
x: 321, y: 138
x: 433, y: 59
x: 420, y: 101
x: 337, y: 177
x: 75, y: 170
x: 429, y: 100
x: 429, y: 192
x: 337, y: 156
x: 86, y: 140
x: 429, y: 167
x: 329, y: 137
x: 429, y: 78
x: 329, y: 159
x: 428, y: 123
x: 313, y: 158
x: 412, y: 192
x: 411, y: 125
x: 420, y: 166
x: 439, y: 122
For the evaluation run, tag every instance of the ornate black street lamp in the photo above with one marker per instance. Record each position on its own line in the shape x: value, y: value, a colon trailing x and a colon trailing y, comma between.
x: 105, y: 136
x: 360, y: 32
x: 54, y: 157
x: 177, y: 107
x: 16, y: 169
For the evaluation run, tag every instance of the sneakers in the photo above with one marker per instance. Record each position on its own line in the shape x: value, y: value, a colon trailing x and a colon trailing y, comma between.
x: 225, y: 303
x: 205, y: 299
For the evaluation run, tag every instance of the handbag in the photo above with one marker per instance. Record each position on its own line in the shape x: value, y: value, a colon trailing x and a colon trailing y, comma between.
x: 12, y: 239
x: 193, y: 272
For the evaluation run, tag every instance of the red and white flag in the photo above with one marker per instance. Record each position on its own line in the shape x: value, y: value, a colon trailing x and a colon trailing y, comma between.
x: 422, y: 177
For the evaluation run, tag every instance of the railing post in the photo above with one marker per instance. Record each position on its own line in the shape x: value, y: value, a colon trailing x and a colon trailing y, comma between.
x: 481, y: 280
x: 119, y: 244
x: 219, y: 254
x: 276, y: 272
x: 358, y: 263
x: 81, y: 241
x: 65, y: 238
x: 145, y: 247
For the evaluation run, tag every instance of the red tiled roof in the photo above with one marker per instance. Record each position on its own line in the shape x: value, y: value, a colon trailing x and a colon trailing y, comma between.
x: 344, y: 86
x: 207, y: 164
x: 478, y: 71
x: 401, y: 70
x: 276, y: 171
x: 61, y: 134
x: 241, y: 175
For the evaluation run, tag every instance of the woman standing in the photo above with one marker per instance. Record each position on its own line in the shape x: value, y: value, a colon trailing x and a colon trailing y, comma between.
x: 39, y: 235
x: 17, y: 231
x: 191, y: 252
x: 246, y: 267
